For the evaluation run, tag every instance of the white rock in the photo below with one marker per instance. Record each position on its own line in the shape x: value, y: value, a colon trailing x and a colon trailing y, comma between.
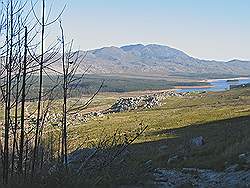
x: 198, y: 141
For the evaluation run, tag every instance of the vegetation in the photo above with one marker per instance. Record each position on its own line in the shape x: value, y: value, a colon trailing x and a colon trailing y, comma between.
x: 90, y: 83
x: 221, y: 118
x: 122, y: 84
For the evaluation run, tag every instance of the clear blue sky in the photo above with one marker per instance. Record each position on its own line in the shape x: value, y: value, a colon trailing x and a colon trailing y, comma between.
x: 209, y: 29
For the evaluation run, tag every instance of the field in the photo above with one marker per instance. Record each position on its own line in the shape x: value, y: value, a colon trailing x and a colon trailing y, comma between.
x: 222, y: 118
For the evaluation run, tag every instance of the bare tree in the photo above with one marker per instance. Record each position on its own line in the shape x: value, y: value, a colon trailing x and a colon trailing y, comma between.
x: 40, y: 87
x: 21, y: 145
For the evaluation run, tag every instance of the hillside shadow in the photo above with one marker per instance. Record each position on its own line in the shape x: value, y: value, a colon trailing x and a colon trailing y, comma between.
x: 224, y: 141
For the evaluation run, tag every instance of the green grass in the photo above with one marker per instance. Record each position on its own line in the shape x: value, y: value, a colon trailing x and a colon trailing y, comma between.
x: 223, y: 119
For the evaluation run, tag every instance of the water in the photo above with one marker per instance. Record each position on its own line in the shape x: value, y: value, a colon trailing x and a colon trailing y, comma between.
x: 218, y: 85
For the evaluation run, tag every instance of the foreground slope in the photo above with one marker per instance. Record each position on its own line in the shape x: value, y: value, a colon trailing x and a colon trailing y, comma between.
x: 222, y: 119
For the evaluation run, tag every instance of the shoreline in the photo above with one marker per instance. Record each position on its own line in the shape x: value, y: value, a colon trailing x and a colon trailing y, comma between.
x: 193, y: 87
x: 214, y: 80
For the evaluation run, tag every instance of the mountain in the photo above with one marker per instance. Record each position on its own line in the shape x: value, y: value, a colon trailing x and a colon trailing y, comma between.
x: 155, y: 59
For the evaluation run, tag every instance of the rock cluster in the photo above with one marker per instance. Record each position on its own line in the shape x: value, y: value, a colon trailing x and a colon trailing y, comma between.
x: 141, y: 102
x: 133, y: 103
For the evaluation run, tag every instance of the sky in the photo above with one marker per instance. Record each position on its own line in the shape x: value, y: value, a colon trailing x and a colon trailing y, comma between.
x: 206, y: 29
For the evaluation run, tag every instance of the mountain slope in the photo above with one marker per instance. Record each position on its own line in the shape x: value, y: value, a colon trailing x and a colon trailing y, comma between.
x: 155, y: 59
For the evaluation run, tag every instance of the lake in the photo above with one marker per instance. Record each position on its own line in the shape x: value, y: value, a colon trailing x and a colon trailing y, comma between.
x: 218, y: 85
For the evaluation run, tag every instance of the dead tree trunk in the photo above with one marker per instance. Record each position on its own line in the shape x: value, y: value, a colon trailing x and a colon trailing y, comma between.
x: 21, y: 146
x: 65, y: 95
x: 8, y: 95
x: 38, y: 120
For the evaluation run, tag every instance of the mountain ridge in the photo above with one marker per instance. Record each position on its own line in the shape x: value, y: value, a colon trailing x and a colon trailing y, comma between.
x: 158, y: 59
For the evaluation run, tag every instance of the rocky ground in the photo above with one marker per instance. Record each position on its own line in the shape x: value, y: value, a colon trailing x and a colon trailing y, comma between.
x: 189, y: 177
x: 237, y: 175
x: 234, y: 176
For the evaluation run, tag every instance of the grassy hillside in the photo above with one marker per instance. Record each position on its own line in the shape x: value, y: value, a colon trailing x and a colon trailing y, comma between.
x: 223, y: 119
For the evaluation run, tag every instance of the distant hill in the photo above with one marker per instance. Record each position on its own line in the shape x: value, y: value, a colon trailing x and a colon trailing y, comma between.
x: 161, y: 60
